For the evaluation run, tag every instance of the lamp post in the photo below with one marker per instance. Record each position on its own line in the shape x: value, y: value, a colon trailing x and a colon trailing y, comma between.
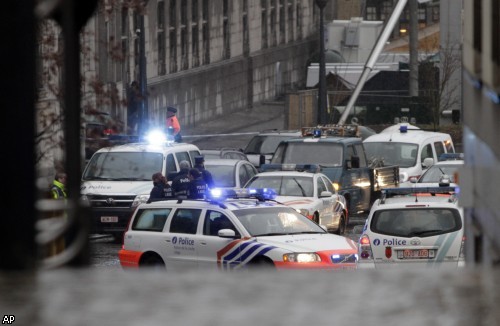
x: 322, y: 70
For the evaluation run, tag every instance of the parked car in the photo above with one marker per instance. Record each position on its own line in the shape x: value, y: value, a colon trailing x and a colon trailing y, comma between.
x: 418, y: 227
x: 439, y: 172
x: 261, y: 147
x: 230, y: 153
x: 240, y: 230
x: 230, y: 173
x: 309, y: 192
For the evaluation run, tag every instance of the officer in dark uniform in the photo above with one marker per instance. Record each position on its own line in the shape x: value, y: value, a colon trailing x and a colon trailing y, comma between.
x: 180, y: 184
x: 199, y: 163
x: 197, y: 186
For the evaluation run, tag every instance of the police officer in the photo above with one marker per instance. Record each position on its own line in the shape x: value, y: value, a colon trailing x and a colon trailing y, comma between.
x: 173, y: 125
x: 180, y: 184
x: 159, y: 185
x: 197, y: 185
x: 199, y: 163
x: 58, y: 189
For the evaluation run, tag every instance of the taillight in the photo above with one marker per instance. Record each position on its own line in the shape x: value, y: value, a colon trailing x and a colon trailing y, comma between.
x: 365, y: 248
x: 462, y: 249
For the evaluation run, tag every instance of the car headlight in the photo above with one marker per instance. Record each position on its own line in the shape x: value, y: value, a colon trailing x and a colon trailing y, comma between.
x: 139, y: 200
x: 302, y: 257
x: 84, y: 201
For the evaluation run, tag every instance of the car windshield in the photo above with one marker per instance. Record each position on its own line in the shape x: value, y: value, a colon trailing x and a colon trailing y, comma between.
x: 322, y: 153
x: 116, y: 166
x: 223, y: 175
x: 276, y: 221
x: 416, y: 222
x: 434, y: 173
x: 285, y: 185
x: 264, y: 144
x: 391, y: 153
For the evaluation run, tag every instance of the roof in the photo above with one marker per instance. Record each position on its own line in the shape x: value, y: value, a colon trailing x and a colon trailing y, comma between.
x: 279, y: 132
x: 338, y: 140
x: 145, y: 147
x: 412, y: 136
x: 231, y: 204
x: 223, y: 161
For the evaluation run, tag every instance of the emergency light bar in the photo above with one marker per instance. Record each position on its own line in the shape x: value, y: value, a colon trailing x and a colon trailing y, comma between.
x: 312, y: 168
x: 451, y: 156
x: 408, y: 191
x: 331, y: 130
x: 221, y: 194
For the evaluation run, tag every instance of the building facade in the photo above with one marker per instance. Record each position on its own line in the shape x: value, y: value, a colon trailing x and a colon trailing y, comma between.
x: 207, y: 58
x: 481, y: 116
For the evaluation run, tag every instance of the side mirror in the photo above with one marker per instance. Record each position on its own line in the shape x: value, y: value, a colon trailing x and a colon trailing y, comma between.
x: 262, y: 159
x: 226, y: 233
x: 428, y: 162
x: 325, y: 194
x: 354, y: 162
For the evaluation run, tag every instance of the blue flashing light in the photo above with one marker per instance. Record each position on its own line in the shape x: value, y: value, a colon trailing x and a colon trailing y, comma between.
x: 221, y: 194
x: 317, y: 133
x: 403, y: 128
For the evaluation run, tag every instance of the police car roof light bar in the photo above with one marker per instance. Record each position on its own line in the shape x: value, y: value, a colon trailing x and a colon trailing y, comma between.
x: 331, y: 130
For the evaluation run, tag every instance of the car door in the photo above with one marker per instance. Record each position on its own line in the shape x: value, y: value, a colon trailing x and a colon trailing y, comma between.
x: 326, y: 202
x: 180, y: 242
x: 213, y: 251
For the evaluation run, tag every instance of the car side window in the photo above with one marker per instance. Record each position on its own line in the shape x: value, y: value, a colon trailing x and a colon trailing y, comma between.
x: 183, y: 156
x: 215, y: 221
x: 185, y: 220
x: 151, y: 220
x: 320, y: 185
x: 193, y: 154
x: 360, y: 152
x: 439, y: 148
x: 171, y: 164
x: 329, y: 185
x: 426, y: 152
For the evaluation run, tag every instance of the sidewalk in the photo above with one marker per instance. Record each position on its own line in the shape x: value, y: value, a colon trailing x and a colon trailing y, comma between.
x: 235, y: 129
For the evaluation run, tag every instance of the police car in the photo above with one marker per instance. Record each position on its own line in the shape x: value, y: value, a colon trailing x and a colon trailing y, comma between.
x: 238, y: 230
x: 414, y: 227
x: 305, y: 189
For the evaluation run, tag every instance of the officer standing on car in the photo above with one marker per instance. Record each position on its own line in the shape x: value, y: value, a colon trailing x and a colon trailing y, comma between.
x: 199, y: 163
x: 180, y: 184
x: 197, y: 185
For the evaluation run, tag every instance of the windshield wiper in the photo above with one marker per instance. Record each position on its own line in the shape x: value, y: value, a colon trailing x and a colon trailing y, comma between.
x: 129, y: 179
x: 301, y: 189
x: 269, y: 234
x: 419, y: 233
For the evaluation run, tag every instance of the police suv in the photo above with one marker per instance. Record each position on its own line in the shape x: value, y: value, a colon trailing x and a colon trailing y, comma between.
x: 414, y: 227
x: 117, y: 179
x: 231, y: 230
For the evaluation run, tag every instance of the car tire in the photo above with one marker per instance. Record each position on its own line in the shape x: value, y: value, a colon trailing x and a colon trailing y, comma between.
x: 152, y: 261
x: 261, y: 263
x: 342, y: 225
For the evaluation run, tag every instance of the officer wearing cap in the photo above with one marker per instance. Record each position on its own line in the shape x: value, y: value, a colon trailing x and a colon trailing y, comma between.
x: 180, y: 184
x: 199, y: 163
x: 173, y: 126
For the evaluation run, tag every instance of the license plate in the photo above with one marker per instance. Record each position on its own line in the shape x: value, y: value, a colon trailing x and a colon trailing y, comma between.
x: 416, y: 254
x: 109, y: 219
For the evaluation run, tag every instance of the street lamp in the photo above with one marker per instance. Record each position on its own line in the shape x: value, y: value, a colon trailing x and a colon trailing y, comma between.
x: 322, y: 70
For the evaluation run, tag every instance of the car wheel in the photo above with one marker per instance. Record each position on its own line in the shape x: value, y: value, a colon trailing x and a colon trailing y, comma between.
x: 342, y: 226
x: 261, y: 263
x: 152, y: 261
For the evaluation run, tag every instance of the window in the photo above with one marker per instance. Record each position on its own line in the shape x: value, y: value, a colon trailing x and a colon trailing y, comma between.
x: 184, y: 36
x: 290, y: 20
x: 439, y: 147
x: 205, y: 32
x: 273, y: 16
x: 321, y: 186
x: 495, y: 33
x: 477, y: 22
x: 360, y: 152
x: 171, y: 164
x: 246, y: 42
x: 162, y: 69
x: 329, y: 185
x: 426, y: 152
x: 124, y: 43
x: 371, y: 13
x: 299, y: 21
x: 194, y: 34
x: 387, y: 7
x: 215, y: 221
x: 151, y: 220
x: 226, y: 50
x: 263, y: 23
x: 282, y: 21
x: 183, y: 156
x: 172, y: 31
x: 185, y: 220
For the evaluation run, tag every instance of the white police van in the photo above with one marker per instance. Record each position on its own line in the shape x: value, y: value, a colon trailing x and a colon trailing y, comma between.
x: 232, y: 229
x: 117, y: 179
x: 418, y: 227
x: 413, y: 150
